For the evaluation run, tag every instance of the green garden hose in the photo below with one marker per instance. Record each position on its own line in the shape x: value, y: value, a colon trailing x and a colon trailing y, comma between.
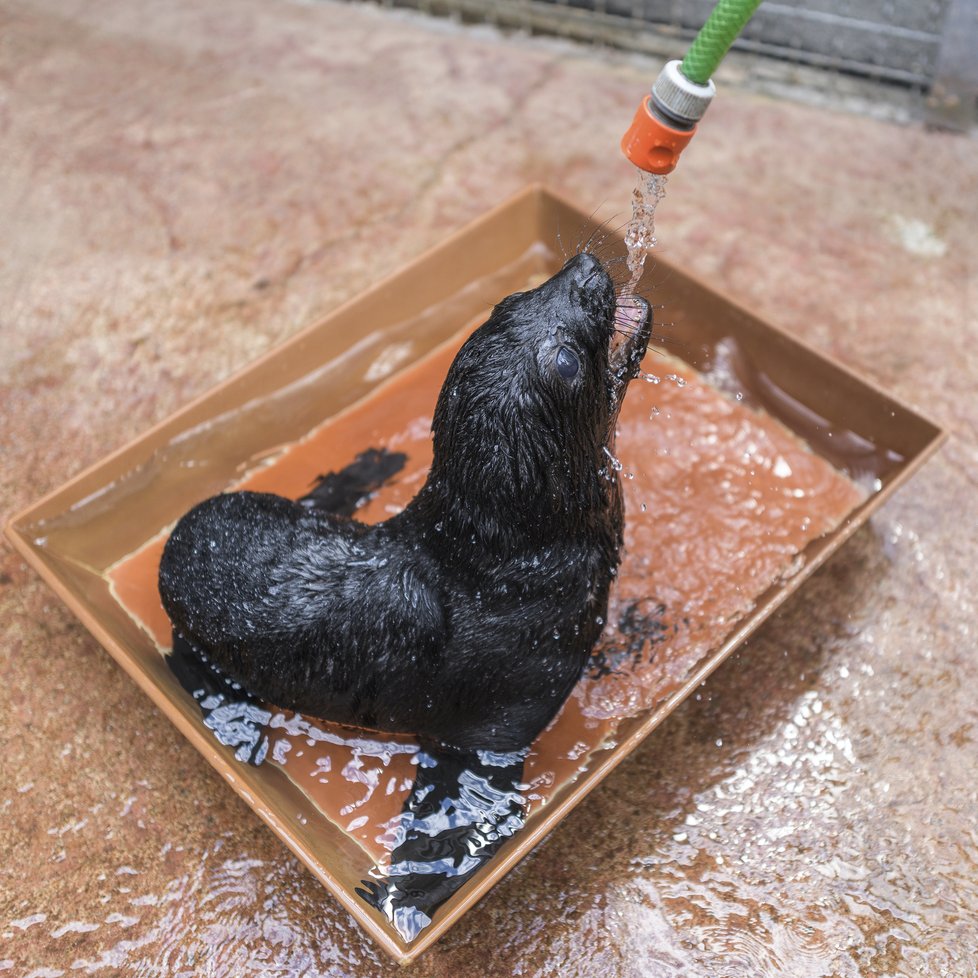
x: 715, y: 37
x: 666, y: 119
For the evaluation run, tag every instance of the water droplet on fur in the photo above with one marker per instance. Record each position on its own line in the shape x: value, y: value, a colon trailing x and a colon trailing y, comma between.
x: 615, y: 463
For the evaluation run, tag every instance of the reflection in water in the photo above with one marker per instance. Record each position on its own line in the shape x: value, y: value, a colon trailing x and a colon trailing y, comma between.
x: 462, y: 808
x: 237, y: 720
x: 343, y: 493
x: 641, y: 629
x: 865, y: 462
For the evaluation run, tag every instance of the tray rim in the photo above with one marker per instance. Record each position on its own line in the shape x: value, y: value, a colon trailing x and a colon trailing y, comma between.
x: 511, y: 854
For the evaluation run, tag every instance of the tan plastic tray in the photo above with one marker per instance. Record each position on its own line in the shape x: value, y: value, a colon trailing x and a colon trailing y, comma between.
x: 74, y: 535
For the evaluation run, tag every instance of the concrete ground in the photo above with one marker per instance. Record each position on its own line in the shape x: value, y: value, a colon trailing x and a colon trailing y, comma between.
x: 181, y: 186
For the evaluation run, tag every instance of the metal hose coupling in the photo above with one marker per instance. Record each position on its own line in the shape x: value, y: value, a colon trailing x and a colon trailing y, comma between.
x: 666, y: 120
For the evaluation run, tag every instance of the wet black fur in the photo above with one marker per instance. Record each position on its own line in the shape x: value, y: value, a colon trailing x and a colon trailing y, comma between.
x: 467, y: 618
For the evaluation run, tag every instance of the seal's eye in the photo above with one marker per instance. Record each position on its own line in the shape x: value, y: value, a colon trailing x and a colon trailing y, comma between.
x: 567, y: 363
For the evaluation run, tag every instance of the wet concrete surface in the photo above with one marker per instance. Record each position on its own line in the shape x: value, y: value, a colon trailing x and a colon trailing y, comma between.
x: 181, y: 186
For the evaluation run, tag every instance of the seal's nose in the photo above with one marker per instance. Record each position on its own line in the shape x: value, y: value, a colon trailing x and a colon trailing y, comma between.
x: 588, y: 286
x: 582, y: 267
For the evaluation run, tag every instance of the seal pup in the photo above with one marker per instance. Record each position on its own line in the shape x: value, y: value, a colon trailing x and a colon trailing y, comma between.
x: 467, y: 618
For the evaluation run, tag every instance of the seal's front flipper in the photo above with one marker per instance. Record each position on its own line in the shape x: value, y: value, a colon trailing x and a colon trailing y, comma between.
x: 341, y: 493
x: 237, y: 719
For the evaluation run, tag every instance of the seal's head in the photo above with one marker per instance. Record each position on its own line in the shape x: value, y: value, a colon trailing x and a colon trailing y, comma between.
x: 526, y: 417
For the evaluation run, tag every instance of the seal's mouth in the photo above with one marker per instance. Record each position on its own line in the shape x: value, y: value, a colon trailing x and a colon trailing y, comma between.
x: 632, y: 328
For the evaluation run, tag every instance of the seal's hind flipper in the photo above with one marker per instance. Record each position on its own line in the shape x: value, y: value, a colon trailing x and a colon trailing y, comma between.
x: 341, y: 493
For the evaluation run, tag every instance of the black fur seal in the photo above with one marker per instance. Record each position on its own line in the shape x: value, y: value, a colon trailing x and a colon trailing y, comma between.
x: 467, y: 618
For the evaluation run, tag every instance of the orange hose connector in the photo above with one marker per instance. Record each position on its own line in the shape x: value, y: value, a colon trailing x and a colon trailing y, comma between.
x: 652, y: 145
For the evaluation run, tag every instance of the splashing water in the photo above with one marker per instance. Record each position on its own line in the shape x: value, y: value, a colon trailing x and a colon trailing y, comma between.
x: 640, y: 235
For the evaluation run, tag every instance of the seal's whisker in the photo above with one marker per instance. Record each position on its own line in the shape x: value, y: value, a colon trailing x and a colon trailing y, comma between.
x: 629, y: 327
x: 625, y: 331
x: 630, y: 314
x: 602, y: 235
x: 628, y: 304
x: 608, y: 249
x: 627, y: 289
x: 598, y: 243
x: 582, y: 245
x: 607, y: 259
x: 579, y: 247
x: 626, y: 319
x: 618, y: 279
x: 615, y: 228
x: 634, y: 299
x: 630, y: 298
x: 673, y: 341
x: 617, y: 271
x: 560, y: 241
x: 621, y: 277
x: 588, y: 249
x: 631, y: 334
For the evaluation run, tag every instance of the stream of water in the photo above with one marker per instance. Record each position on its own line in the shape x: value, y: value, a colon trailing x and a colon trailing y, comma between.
x: 640, y: 233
